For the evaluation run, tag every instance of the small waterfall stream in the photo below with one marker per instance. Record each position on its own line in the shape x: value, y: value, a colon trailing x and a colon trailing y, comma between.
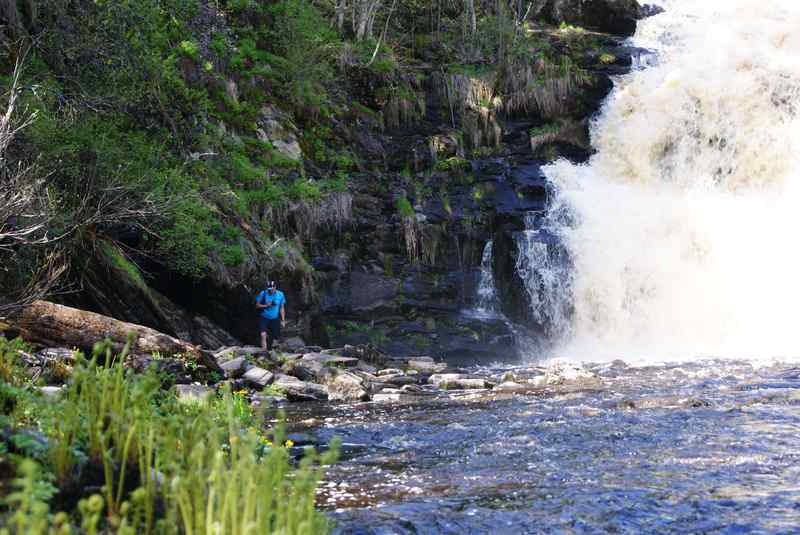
x: 486, y: 304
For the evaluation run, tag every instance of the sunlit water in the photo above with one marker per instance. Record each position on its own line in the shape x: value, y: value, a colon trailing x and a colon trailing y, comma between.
x: 709, y: 447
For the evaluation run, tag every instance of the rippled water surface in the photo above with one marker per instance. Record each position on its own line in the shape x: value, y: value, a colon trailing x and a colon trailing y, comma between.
x: 710, y: 447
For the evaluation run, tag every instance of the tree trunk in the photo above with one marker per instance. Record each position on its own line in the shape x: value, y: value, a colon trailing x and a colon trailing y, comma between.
x: 57, y: 325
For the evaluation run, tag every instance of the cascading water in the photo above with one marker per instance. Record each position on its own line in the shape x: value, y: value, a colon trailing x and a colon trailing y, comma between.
x: 545, y: 274
x: 682, y: 226
x: 486, y: 301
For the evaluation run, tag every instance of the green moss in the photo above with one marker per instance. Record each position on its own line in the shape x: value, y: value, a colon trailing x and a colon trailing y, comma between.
x: 453, y: 164
x: 404, y: 208
x: 545, y: 129
x: 123, y: 264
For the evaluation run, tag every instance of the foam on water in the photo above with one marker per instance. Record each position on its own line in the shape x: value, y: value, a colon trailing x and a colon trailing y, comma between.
x: 683, y: 227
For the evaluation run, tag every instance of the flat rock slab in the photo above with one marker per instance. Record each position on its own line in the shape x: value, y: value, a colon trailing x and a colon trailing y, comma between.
x: 426, y: 364
x: 390, y: 371
x: 457, y: 381
x: 399, y: 379
x: 194, y: 393
x: 297, y: 390
x: 235, y: 368
x: 234, y: 351
x: 516, y: 388
x: 330, y: 360
x: 258, y: 377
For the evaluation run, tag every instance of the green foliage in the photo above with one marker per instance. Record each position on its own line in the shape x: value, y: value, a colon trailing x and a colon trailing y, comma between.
x: 303, y: 40
x: 189, y: 49
x: 198, y: 468
x: 453, y: 164
x: 545, y: 129
x: 404, y: 208
x: 119, y: 261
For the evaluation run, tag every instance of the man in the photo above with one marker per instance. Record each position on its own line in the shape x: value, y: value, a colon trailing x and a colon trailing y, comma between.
x: 272, y: 304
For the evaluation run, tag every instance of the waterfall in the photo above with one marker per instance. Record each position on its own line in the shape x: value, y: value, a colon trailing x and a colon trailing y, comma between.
x: 486, y: 299
x: 682, y: 227
x: 544, y: 271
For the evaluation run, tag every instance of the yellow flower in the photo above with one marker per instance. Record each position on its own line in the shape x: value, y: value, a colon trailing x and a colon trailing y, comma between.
x: 289, y: 443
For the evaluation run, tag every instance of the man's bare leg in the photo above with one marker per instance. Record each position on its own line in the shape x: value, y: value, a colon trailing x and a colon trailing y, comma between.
x: 264, y: 341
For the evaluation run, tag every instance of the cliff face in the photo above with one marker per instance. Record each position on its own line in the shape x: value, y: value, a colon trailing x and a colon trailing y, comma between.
x: 367, y: 177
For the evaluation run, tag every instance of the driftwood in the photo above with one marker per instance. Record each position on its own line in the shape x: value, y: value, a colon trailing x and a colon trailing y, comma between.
x: 57, y: 325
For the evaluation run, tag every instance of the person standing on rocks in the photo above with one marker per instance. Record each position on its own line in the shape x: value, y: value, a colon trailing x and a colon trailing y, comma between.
x: 272, y: 304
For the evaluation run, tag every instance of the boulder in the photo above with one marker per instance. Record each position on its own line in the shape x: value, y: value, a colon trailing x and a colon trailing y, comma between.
x: 258, y: 377
x: 344, y: 386
x: 235, y: 368
x: 194, y: 393
x: 426, y: 364
x: 612, y: 16
x: 390, y: 371
x: 329, y: 360
x: 276, y: 128
x: 293, y: 344
x: 561, y: 372
x: 297, y: 390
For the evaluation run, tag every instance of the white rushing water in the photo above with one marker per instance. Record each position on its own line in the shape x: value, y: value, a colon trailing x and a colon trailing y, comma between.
x: 685, y: 223
x: 487, y: 300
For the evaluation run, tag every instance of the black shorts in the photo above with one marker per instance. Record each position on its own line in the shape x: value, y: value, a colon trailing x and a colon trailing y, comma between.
x: 271, y: 327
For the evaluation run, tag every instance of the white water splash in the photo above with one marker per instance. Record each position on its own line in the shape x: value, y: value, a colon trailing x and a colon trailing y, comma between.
x: 684, y: 232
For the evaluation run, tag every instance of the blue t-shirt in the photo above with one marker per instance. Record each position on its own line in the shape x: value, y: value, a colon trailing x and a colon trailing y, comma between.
x: 274, y: 310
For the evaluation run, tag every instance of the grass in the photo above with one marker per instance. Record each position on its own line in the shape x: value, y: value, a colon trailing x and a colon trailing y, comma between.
x: 161, y: 467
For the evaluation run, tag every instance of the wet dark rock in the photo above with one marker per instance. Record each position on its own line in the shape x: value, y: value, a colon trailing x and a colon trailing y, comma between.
x: 399, y: 380
x: 650, y: 10
x: 295, y: 344
x: 612, y: 16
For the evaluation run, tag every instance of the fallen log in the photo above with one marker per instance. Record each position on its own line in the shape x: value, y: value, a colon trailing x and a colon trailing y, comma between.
x: 58, y: 325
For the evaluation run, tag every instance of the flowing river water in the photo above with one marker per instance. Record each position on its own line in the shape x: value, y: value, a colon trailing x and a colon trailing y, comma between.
x: 683, y: 290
